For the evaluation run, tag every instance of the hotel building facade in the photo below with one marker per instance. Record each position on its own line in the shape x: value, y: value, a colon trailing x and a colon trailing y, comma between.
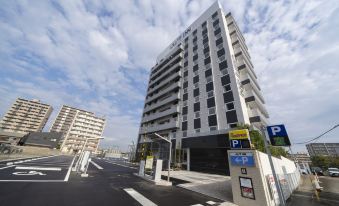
x: 202, y: 85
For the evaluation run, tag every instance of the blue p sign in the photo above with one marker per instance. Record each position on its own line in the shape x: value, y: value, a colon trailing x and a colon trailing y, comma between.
x: 278, y: 135
x: 235, y: 143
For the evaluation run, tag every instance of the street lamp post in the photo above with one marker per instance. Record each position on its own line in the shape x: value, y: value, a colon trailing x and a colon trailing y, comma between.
x: 170, y: 154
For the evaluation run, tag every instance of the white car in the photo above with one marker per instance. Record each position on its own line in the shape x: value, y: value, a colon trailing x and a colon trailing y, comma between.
x: 333, y: 172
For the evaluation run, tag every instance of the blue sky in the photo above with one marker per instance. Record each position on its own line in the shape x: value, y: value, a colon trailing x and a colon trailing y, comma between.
x: 96, y: 55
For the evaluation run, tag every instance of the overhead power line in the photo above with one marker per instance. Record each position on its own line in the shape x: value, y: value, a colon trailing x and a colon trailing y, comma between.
x: 335, y: 126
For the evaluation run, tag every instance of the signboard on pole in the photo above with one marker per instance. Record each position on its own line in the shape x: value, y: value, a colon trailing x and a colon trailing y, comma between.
x: 239, y: 139
x: 244, y: 159
x: 149, y: 162
x: 246, y: 187
x: 278, y: 135
x: 239, y: 134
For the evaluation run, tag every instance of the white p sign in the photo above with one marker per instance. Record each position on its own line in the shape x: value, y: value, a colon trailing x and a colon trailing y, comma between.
x: 275, y: 130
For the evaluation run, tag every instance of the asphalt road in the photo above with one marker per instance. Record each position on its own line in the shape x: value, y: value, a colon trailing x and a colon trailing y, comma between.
x: 114, y: 184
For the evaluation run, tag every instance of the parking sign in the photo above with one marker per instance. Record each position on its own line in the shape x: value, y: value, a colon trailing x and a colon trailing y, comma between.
x: 278, y: 135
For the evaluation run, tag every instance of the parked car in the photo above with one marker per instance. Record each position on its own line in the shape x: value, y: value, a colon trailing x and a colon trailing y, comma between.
x: 333, y: 172
x: 317, y: 170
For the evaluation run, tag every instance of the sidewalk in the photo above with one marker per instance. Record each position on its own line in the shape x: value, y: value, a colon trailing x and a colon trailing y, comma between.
x: 217, y: 186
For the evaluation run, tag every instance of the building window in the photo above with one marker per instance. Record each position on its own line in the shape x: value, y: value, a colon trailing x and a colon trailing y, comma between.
x: 218, y: 41
x: 214, y: 15
x: 212, y: 120
x: 209, y: 87
x: 195, y: 68
x: 197, y: 123
x: 185, y: 97
x: 211, y: 111
x: 196, y: 73
x: 224, y: 72
x: 216, y: 22
x: 207, y: 61
x: 231, y: 116
x: 184, y: 134
x: 185, y: 84
x: 184, y: 126
x: 228, y: 97
x: 207, y: 66
x: 218, y: 31
x: 196, y: 85
x: 220, y: 46
x: 196, y: 92
x: 185, y: 73
x: 210, y: 102
x: 233, y: 125
x: 208, y: 73
x: 222, y: 58
x: 196, y: 107
x: 227, y: 88
x: 195, y: 79
x: 229, y: 106
x: 184, y: 110
x: 225, y: 80
x: 221, y: 52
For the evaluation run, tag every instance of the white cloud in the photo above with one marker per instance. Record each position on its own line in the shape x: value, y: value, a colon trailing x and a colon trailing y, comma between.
x: 96, y: 55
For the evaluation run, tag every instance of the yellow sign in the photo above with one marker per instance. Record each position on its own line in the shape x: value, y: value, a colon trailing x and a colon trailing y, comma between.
x: 149, y: 162
x: 239, y: 134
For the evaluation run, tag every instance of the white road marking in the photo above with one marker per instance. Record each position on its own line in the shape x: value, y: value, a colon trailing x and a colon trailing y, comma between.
x: 7, y: 167
x: 38, y: 168
x: 197, y: 205
x: 211, y: 202
x: 29, y: 173
x: 139, y: 197
x: 120, y: 164
x: 96, y: 165
x: 69, y: 170
x: 32, y: 181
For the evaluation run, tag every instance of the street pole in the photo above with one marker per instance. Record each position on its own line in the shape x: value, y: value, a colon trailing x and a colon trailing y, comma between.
x: 169, y: 161
x: 276, y: 180
x: 80, y: 156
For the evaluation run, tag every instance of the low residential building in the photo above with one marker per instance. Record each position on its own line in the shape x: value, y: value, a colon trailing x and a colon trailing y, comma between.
x: 26, y: 116
x: 325, y: 149
x: 77, y: 125
x: 300, y: 157
x: 42, y: 139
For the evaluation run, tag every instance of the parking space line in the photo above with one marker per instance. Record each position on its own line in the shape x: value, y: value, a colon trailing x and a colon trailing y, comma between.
x: 211, y: 202
x: 139, y: 197
x: 96, y: 165
x: 32, y: 181
x: 69, y: 171
x: 38, y: 168
x: 6, y: 167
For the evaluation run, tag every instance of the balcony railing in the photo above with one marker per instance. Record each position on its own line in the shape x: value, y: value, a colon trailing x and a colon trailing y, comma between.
x: 154, y: 116
x: 162, y: 92
x: 159, y: 127
x: 172, y: 98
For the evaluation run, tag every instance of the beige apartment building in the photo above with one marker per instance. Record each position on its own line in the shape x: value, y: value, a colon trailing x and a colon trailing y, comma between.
x: 26, y: 116
x: 77, y: 126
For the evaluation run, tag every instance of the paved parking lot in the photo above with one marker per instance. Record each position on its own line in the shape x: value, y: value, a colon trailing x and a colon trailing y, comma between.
x: 43, y: 169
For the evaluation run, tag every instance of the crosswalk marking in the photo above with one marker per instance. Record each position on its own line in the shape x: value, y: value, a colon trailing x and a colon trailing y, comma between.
x: 211, y: 202
x: 139, y: 197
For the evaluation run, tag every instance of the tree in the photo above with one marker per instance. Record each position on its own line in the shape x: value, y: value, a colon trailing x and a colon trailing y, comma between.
x: 257, y: 141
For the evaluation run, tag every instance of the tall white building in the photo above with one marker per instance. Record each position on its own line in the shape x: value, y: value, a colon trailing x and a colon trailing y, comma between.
x: 77, y: 126
x: 26, y: 116
x: 202, y: 85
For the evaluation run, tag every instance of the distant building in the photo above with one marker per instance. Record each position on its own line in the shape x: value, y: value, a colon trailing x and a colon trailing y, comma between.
x: 10, y: 137
x: 77, y: 125
x: 323, y: 149
x: 26, y: 116
x: 42, y: 139
x: 300, y: 157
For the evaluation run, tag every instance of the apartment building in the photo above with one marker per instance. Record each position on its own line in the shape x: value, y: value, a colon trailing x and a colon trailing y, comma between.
x: 202, y: 85
x: 26, y: 116
x: 323, y: 149
x: 78, y: 125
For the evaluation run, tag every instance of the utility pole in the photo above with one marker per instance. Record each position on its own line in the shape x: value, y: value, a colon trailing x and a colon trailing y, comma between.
x: 276, y: 180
